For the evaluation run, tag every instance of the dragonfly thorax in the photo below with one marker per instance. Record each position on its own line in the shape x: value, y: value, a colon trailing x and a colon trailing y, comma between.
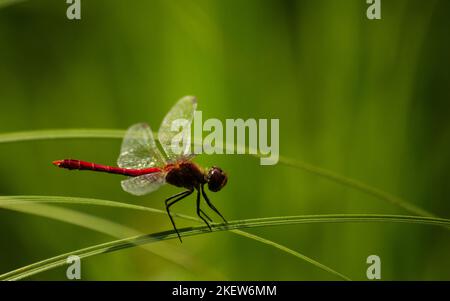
x: 186, y: 174
x: 189, y: 175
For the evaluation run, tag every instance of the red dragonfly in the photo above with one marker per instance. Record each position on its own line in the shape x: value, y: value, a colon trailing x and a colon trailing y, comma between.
x: 148, y: 168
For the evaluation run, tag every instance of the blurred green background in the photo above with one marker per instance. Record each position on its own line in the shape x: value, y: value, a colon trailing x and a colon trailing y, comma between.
x: 366, y: 99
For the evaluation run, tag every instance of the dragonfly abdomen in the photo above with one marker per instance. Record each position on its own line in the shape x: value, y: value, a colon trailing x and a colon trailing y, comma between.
x: 83, y: 165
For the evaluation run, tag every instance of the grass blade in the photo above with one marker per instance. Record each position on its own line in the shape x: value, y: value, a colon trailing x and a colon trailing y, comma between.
x: 60, y: 134
x: 232, y: 225
x: 327, y: 174
x: 292, y: 252
x: 17, y: 201
x: 167, y: 252
x: 355, y: 184
x: 4, y: 3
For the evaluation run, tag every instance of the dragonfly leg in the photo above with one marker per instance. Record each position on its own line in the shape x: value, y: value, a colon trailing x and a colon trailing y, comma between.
x: 177, y: 197
x: 200, y: 211
x: 205, y: 215
x: 211, y: 204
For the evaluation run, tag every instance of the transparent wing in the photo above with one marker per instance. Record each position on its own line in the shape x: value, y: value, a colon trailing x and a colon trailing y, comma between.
x: 144, y: 184
x: 175, y: 131
x: 139, y: 149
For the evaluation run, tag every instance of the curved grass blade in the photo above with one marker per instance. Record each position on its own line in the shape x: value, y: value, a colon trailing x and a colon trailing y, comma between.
x: 232, y: 225
x: 358, y: 185
x: 165, y: 251
x: 17, y: 201
x: 4, y: 3
x: 330, y: 175
x: 33, y: 199
x: 292, y: 252
x: 60, y: 134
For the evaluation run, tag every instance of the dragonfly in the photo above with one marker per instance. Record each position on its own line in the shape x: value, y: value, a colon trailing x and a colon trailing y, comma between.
x: 148, y: 167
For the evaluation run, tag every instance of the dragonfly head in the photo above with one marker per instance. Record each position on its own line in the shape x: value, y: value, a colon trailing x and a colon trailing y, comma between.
x: 216, y: 179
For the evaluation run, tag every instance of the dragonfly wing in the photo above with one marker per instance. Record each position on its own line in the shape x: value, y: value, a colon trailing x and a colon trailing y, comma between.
x: 139, y: 149
x: 175, y: 131
x: 144, y: 184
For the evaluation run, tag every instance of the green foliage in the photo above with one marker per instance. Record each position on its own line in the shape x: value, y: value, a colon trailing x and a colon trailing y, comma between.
x: 232, y: 225
x: 363, y: 109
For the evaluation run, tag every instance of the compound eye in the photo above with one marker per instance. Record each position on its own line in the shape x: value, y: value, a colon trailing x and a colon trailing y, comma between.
x: 217, y: 179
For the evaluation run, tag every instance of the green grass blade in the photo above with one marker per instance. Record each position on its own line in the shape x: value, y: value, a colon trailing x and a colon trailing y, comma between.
x: 358, y: 185
x: 18, y: 201
x: 165, y: 251
x: 106, y: 133
x: 232, y: 225
x: 4, y: 3
x: 327, y: 174
x: 292, y: 252
x: 33, y: 199
x: 60, y: 134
